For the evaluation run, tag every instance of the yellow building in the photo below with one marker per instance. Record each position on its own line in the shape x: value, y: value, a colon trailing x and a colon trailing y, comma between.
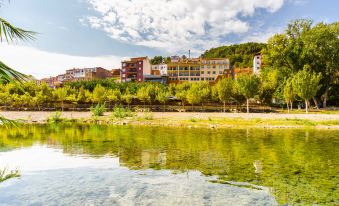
x: 196, y: 69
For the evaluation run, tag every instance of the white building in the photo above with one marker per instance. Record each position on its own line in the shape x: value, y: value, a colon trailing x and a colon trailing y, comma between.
x: 162, y: 68
x: 257, y: 63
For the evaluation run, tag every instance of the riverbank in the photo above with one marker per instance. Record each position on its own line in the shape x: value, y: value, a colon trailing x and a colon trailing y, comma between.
x: 209, y: 120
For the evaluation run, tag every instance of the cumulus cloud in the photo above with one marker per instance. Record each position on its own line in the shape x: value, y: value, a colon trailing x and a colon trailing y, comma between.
x: 42, y: 64
x: 175, y: 25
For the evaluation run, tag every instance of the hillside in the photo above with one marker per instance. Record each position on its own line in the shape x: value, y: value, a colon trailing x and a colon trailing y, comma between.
x: 240, y: 55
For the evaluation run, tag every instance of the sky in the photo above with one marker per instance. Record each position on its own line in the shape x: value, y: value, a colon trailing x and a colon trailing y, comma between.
x: 87, y: 33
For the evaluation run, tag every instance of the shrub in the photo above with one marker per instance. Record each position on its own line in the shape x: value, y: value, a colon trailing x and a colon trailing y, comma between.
x: 5, y: 175
x: 120, y: 112
x: 55, y: 117
x: 98, y: 110
x: 148, y: 114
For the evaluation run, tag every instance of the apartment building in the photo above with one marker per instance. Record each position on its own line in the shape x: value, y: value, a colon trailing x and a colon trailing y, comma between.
x: 197, y: 69
x: 134, y: 69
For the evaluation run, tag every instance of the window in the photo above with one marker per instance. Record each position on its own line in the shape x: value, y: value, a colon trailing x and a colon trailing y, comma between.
x: 202, y: 72
x: 213, y: 72
x: 225, y: 66
x: 124, y: 64
x: 139, y: 80
x: 140, y: 62
x: 214, y: 67
x: 202, y: 79
x: 220, y: 67
x: 208, y: 67
x: 208, y: 72
x: 220, y: 72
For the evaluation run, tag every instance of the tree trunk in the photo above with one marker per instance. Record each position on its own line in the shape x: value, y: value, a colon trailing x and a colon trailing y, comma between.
x: 288, y: 108
x: 164, y: 107
x: 325, y: 97
x: 291, y: 107
x: 248, y: 109
x: 306, y: 106
x: 62, y: 106
x: 224, y: 107
x: 315, y: 102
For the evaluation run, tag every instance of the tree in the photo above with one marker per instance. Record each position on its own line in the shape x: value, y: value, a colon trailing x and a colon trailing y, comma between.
x: 127, y: 97
x: 61, y: 95
x: 113, y: 95
x: 225, y: 90
x: 99, y: 94
x: 322, y: 48
x: 289, y: 94
x: 162, y: 97
x: 248, y: 86
x: 143, y: 95
x: 181, y: 91
x: 306, y: 84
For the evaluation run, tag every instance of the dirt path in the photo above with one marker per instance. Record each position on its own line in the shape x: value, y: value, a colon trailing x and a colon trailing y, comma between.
x: 43, y: 116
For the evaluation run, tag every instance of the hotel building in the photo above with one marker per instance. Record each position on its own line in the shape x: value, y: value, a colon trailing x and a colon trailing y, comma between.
x: 197, y: 69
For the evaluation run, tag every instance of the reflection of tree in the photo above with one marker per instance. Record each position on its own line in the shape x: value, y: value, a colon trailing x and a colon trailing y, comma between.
x: 299, y: 167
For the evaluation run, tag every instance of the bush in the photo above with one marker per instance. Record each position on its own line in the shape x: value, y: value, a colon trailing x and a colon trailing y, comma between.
x: 148, y: 114
x: 55, y: 118
x: 98, y: 110
x: 120, y: 112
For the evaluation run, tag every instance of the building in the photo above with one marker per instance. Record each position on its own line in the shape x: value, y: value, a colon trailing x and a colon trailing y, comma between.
x: 76, y: 74
x: 162, y: 68
x: 133, y: 70
x: 116, y: 73
x: 197, y: 69
x: 257, y: 61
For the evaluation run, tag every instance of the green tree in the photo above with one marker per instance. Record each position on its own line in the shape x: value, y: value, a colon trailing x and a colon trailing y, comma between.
x: 306, y: 84
x: 162, y: 97
x: 225, y: 90
x: 99, y: 94
x: 181, y: 91
x: 61, y: 95
x: 248, y: 86
x: 113, y: 95
x: 143, y: 95
x: 127, y: 97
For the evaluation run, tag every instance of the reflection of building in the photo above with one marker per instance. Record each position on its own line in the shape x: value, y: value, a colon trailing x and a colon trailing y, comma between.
x: 196, y: 69
x: 151, y: 158
x: 257, y: 63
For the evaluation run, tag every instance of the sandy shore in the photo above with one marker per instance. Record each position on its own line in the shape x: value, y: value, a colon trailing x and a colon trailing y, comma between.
x: 271, y: 120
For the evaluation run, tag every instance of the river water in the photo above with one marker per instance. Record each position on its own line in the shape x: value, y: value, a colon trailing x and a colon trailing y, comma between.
x: 126, y: 165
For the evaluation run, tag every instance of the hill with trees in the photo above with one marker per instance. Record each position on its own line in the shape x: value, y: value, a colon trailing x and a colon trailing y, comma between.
x: 240, y: 55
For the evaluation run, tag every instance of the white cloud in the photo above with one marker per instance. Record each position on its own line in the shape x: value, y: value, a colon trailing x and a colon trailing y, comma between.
x: 261, y: 36
x: 175, y: 25
x: 42, y: 64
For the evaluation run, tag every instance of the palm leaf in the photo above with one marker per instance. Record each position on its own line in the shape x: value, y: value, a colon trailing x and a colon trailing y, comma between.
x: 11, y: 33
x: 10, y: 74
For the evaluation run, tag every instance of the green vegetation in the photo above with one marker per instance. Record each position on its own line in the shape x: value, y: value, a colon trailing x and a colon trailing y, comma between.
x: 240, y: 55
x: 98, y: 110
x: 121, y: 113
x: 248, y: 86
x: 55, y: 118
x: 5, y: 174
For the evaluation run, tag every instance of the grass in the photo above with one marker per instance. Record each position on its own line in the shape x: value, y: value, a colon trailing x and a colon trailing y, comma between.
x: 5, y: 174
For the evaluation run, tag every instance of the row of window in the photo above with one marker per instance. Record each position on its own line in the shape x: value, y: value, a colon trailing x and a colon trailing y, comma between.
x: 192, y: 79
x: 198, y: 68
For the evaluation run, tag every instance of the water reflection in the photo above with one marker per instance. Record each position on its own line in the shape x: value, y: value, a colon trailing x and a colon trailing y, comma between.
x: 299, y: 167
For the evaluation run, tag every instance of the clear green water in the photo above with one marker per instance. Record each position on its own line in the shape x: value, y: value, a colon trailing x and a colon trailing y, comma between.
x: 113, y: 165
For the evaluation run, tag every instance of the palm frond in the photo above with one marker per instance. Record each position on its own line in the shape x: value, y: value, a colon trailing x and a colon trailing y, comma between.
x: 11, y: 33
x: 11, y: 75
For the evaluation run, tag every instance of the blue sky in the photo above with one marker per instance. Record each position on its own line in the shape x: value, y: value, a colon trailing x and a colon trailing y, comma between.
x: 76, y: 33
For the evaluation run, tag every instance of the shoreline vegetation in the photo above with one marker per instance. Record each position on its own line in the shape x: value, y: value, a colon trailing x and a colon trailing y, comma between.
x: 182, y: 119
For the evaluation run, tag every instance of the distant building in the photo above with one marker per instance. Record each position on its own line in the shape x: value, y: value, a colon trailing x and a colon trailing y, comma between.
x: 133, y: 70
x: 116, y: 73
x: 76, y: 74
x: 197, y: 69
x: 257, y: 61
